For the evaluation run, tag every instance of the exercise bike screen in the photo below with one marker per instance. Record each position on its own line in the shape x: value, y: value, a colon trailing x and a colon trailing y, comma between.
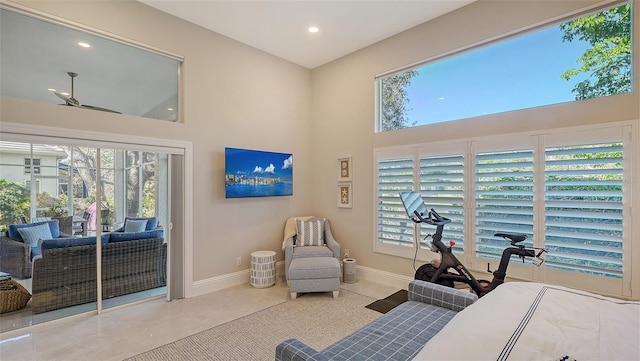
x: 413, y: 202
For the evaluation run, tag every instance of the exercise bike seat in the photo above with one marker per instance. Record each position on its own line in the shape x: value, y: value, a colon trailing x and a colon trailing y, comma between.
x: 513, y: 237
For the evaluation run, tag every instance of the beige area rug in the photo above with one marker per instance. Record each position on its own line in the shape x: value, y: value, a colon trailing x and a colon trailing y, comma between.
x: 314, y: 318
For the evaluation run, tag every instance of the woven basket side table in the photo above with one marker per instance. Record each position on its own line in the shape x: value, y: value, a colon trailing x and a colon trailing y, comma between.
x: 263, y: 269
x: 13, y: 296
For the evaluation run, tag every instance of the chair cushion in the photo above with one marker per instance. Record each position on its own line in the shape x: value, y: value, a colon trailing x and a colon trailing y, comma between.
x: 35, y: 252
x: 311, y: 251
x: 54, y: 227
x: 310, y: 233
x: 135, y: 225
x: 152, y: 222
x: 314, y: 268
x: 31, y: 235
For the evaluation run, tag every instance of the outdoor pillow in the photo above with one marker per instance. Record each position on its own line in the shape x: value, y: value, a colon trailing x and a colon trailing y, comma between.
x: 54, y: 227
x: 135, y: 225
x: 152, y: 222
x: 130, y: 236
x: 31, y: 235
x: 310, y: 233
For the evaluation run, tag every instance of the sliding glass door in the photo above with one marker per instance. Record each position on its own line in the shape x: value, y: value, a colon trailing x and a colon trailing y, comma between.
x: 91, y: 259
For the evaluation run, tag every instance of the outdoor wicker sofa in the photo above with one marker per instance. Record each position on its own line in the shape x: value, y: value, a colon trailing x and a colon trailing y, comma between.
x: 66, y: 276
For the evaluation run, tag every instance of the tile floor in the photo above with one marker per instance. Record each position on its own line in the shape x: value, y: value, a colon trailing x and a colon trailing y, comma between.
x: 130, y: 330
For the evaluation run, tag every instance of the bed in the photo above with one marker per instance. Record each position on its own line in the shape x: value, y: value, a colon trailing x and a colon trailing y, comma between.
x: 534, y: 321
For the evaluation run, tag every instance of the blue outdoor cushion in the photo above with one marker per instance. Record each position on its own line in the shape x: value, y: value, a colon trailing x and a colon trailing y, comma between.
x: 71, y: 242
x: 35, y: 251
x: 130, y: 236
x: 152, y: 222
x: 54, y: 227
x: 31, y: 235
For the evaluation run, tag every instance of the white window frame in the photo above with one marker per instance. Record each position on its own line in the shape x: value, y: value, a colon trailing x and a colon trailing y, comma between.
x: 537, y: 141
x: 604, y: 6
x: 31, y: 165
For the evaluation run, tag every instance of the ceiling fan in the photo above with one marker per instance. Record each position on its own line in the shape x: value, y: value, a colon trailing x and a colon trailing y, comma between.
x: 73, y: 102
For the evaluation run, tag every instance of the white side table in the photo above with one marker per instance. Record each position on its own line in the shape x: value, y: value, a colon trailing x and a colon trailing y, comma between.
x: 263, y: 269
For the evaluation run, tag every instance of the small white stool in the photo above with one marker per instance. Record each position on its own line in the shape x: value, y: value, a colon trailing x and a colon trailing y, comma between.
x: 263, y: 269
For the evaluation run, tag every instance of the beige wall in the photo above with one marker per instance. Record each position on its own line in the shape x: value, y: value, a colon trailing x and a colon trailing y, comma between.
x: 234, y: 95
x: 344, y: 112
x: 237, y: 96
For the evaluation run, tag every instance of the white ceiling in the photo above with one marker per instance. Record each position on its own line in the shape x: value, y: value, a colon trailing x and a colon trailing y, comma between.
x: 280, y: 27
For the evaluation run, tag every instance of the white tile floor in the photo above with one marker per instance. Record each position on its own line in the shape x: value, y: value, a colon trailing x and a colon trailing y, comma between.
x: 130, y: 330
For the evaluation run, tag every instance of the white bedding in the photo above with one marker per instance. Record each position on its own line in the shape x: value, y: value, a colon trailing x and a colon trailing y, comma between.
x: 533, y: 321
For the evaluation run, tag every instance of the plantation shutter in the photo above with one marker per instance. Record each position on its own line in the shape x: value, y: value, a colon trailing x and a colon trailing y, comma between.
x: 394, y: 226
x: 442, y: 187
x: 583, y: 208
x: 504, y: 199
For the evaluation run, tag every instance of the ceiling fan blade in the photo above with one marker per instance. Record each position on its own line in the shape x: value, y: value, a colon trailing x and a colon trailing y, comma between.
x: 93, y: 107
x: 69, y: 100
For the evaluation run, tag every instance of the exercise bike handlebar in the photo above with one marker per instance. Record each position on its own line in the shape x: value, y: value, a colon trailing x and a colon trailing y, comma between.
x: 433, y: 218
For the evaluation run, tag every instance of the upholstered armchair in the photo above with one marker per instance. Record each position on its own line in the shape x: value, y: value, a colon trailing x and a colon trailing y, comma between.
x: 16, y: 253
x: 293, y: 249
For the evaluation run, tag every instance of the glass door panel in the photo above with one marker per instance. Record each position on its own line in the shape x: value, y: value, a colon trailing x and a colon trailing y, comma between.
x: 39, y: 182
x: 82, y: 187
x: 134, y: 260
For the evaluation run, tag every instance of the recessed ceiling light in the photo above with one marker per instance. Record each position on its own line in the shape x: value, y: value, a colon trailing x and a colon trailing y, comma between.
x: 84, y: 45
x: 67, y: 94
x: 51, y: 89
x: 313, y: 29
x: 169, y: 109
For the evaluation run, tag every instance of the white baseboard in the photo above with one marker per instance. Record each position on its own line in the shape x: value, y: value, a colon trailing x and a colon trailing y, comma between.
x: 243, y: 277
x: 229, y: 280
x: 383, y: 277
x: 221, y: 282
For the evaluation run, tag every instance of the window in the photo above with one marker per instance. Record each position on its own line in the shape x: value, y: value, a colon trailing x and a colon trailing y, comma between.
x: 583, y: 208
x: 503, y: 198
x: 514, y: 73
x: 28, y: 162
x: 112, y: 74
x: 395, y: 175
x: 442, y: 187
x: 564, y: 190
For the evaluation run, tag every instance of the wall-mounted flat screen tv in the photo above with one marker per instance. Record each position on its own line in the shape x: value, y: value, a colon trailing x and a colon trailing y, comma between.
x: 255, y: 173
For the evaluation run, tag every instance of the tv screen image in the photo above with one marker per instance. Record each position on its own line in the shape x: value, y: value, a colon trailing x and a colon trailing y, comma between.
x: 255, y: 173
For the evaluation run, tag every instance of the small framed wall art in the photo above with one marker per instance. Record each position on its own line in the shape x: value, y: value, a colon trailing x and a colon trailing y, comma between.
x: 344, y: 196
x: 344, y: 169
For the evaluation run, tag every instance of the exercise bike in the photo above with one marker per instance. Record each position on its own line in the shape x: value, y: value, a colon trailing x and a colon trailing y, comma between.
x: 449, y: 269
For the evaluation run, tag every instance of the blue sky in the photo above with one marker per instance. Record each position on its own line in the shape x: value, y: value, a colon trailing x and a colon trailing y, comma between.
x: 258, y: 163
x: 519, y: 73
